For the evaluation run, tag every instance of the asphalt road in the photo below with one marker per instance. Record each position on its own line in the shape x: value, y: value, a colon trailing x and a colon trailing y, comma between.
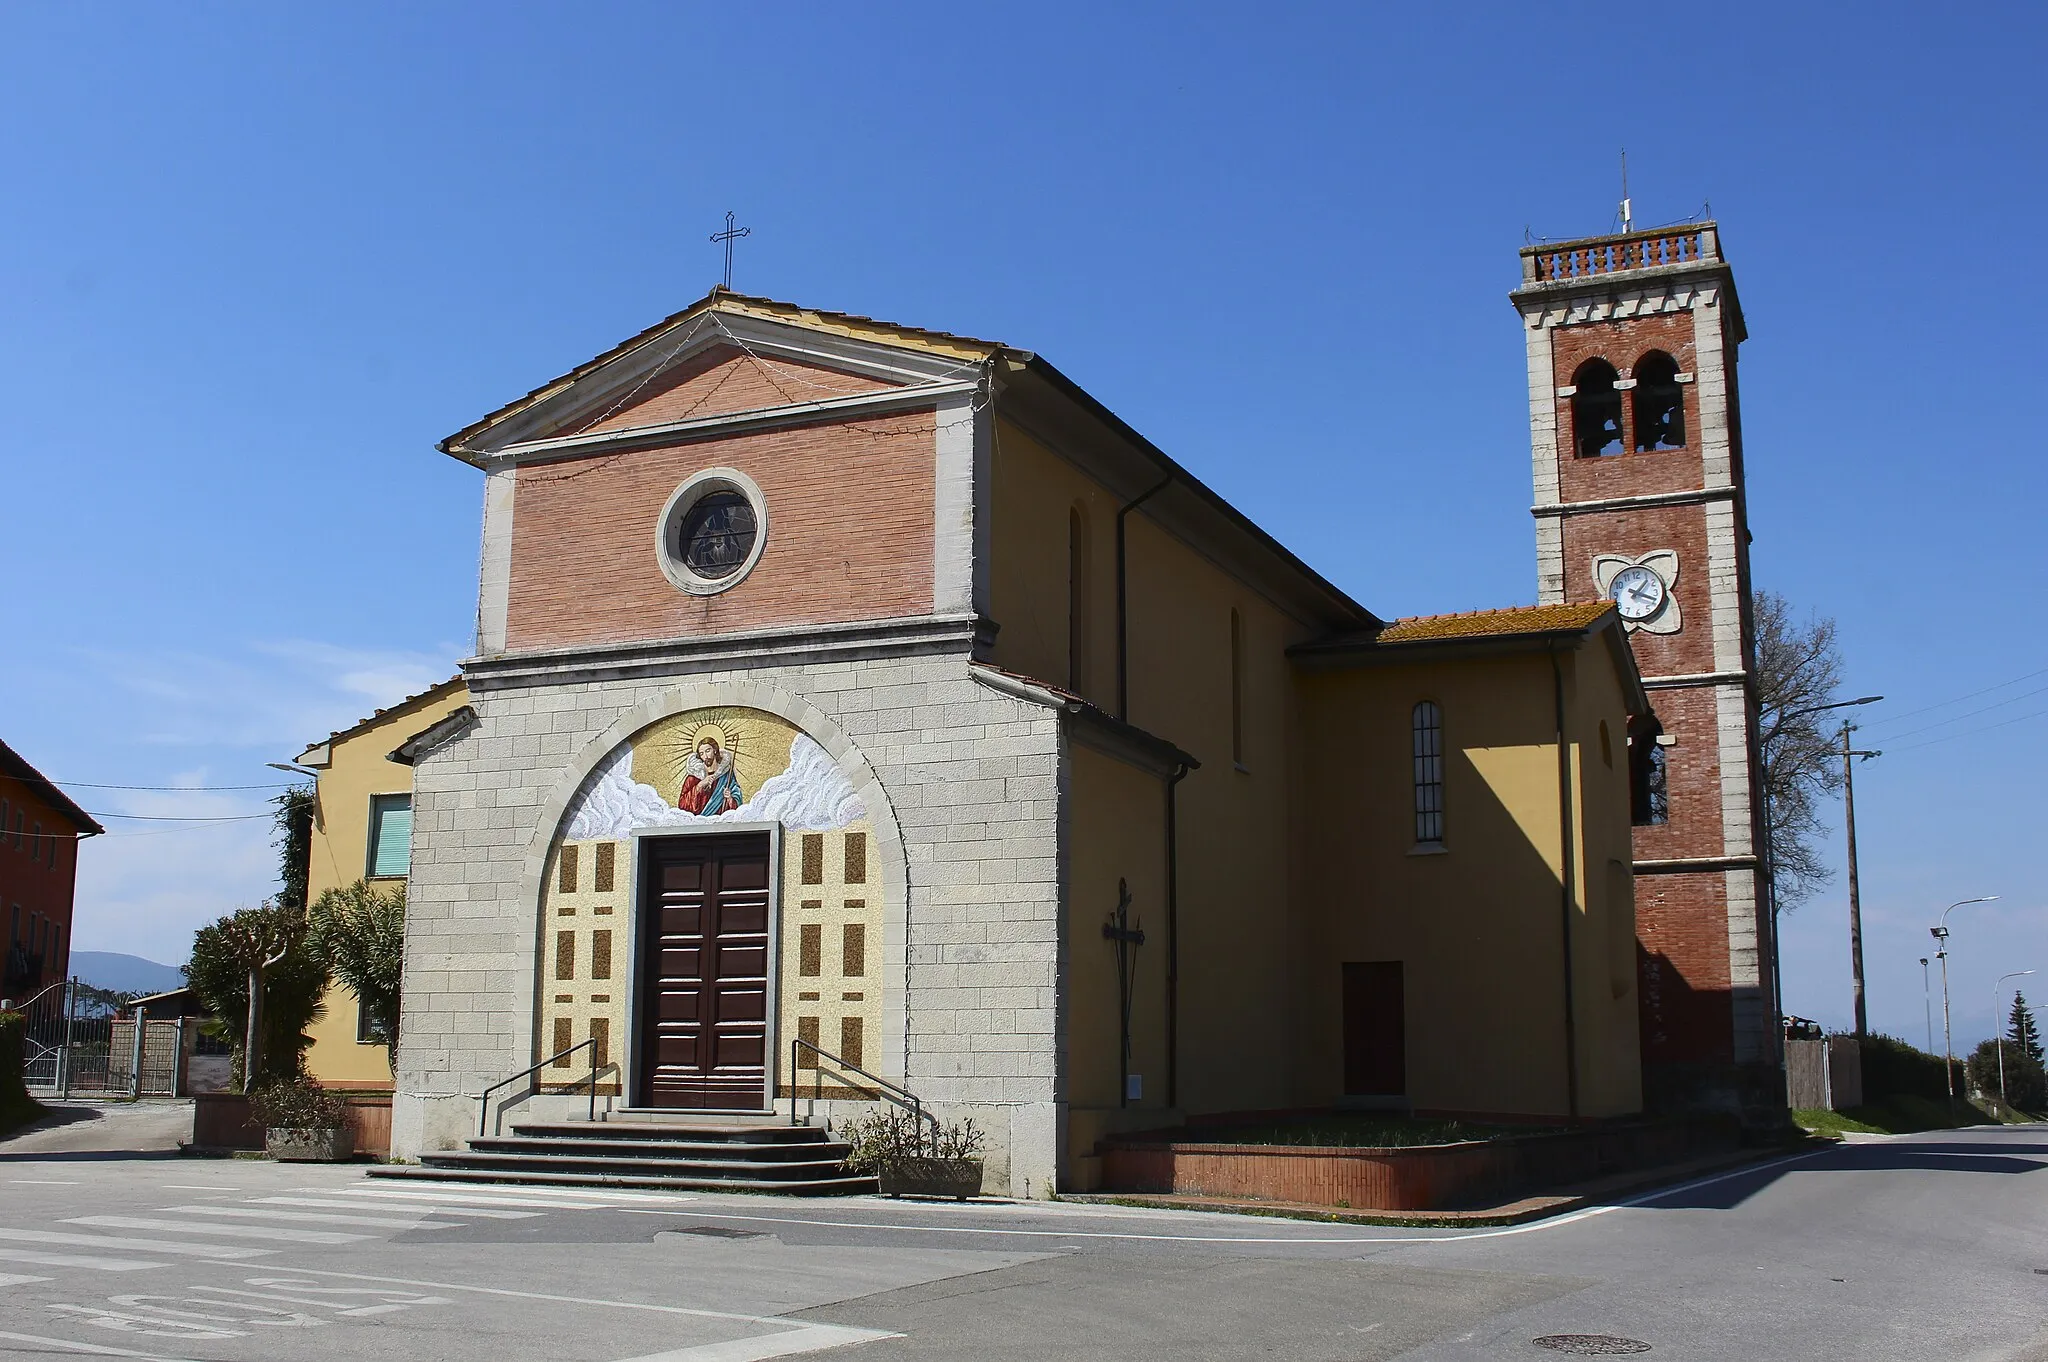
x: 1922, y: 1247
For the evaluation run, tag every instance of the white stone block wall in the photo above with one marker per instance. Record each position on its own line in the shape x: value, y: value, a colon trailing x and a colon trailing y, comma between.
x: 971, y: 781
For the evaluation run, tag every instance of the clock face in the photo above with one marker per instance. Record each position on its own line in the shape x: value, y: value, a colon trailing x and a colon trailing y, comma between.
x: 1637, y: 592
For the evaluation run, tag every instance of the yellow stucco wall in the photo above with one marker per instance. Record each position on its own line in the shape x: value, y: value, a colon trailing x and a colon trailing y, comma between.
x: 1478, y: 926
x: 1115, y: 826
x: 357, y: 768
x: 1236, y: 907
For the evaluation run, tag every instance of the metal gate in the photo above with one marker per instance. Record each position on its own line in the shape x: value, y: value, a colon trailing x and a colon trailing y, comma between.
x: 72, y: 1047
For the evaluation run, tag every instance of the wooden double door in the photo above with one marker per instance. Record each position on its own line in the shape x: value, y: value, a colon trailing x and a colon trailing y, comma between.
x: 703, y: 1026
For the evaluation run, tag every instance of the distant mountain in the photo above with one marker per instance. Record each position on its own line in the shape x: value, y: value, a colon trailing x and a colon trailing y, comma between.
x: 124, y: 973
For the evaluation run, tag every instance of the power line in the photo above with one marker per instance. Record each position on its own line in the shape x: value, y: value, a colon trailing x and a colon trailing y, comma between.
x: 1970, y: 733
x: 1890, y: 719
x: 1968, y: 714
x: 182, y: 818
x: 177, y: 789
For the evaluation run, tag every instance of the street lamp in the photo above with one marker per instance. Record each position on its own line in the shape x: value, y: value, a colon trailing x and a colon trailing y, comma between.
x: 1770, y: 862
x: 1940, y: 933
x: 1926, y: 1004
x: 1997, y: 990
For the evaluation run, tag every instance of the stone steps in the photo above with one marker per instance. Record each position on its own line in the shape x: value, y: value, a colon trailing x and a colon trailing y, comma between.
x: 722, y: 1156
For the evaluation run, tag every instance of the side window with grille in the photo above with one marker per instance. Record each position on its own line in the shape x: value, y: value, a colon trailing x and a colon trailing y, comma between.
x: 1427, y: 739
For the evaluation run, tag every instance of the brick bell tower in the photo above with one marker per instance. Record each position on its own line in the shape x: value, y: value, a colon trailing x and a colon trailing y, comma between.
x: 1637, y: 442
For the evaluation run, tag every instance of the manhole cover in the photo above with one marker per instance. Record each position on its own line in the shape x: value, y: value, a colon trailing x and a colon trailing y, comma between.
x: 1592, y: 1345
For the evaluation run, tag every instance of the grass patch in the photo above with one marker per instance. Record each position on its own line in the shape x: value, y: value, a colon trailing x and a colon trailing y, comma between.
x: 1353, y: 1132
x: 1896, y: 1115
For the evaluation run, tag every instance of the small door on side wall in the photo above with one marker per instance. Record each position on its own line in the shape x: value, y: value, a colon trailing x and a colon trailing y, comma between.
x: 1375, y: 1030
x: 703, y: 1024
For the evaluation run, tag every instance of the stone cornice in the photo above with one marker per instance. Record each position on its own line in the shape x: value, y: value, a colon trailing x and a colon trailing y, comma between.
x: 1695, y: 679
x: 919, y: 635
x: 1698, y: 496
x: 1680, y: 865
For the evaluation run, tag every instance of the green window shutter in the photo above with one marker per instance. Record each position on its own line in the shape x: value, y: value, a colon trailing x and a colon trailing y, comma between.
x: 390, y: 835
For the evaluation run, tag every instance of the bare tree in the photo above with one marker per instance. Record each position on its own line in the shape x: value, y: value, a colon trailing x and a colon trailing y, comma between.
x: 1798, y: 668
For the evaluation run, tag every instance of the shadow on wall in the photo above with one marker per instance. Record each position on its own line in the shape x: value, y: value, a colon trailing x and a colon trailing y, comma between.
x: 1686, y: 1030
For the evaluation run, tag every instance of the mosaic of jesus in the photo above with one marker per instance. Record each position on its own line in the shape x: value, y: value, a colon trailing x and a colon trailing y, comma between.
x: 710, y: 784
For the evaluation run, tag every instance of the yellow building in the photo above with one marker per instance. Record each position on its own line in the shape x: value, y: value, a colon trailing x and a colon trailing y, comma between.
x: 362, y: 829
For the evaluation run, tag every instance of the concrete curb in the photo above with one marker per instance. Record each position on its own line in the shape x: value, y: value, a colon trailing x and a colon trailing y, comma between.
x: 1519, y: 1212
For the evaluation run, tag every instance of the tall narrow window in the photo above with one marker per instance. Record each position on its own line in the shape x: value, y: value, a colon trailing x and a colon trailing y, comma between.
x: 1428, y: 736
x: 1660, y: 403
x: 1080, y: 621
x: 390, y: 835
x: 1649, y: 794
x: 1596, y: 410
x: 1237, y: 689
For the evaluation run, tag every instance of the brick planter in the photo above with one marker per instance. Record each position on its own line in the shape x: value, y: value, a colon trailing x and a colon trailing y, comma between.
x: 221, y: 1120
x: 1414, y: 1178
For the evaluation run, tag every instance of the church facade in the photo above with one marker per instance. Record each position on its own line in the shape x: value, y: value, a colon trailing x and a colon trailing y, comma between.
x: 855, y: 702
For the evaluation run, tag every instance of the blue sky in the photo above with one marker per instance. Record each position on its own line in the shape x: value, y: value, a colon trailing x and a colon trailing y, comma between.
x: 254, y: 261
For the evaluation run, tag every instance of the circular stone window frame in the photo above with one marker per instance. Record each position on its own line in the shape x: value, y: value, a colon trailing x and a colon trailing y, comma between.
x: 680, y: 503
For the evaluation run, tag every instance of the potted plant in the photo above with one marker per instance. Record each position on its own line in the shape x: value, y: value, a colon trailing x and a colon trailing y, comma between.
x: 302, y: 1121
x: 915, y: 1155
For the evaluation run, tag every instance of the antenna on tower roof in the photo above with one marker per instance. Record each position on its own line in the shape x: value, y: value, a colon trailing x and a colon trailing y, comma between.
x: 1628, y: 216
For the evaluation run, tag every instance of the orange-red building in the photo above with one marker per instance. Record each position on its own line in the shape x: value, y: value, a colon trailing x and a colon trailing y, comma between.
x: 40, y: 829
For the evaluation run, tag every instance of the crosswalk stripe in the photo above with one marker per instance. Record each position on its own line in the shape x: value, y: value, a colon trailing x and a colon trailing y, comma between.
x: 465, y: 1198
x: 606, y: 1195
x: 15, y: 1279
x: 15, y: 1255
x: 138, y: 1222
x: 313, y: 1217
x: 108, y: 1241
x: 477, y: 1211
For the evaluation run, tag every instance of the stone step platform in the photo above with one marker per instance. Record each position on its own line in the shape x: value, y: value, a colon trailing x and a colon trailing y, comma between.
x: 711, y: 1156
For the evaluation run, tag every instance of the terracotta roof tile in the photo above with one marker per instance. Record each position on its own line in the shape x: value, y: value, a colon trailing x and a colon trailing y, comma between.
x: 1520, y: 619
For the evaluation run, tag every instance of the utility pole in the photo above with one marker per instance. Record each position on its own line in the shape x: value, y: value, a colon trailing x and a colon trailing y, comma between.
x: 1855, y: 905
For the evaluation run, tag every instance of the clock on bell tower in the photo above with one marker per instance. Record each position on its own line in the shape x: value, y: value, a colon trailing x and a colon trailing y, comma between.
x: 1636, y: 440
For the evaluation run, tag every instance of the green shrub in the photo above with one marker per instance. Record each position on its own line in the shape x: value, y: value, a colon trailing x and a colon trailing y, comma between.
x: 2026, y: 1088
x: 219, y: 976
x: 1892, y: 1068
x: 16, y: 1108
x: 297, y: 1103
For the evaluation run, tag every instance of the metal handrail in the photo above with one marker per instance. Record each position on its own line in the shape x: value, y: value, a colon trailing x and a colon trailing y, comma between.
x: 890, y: 1092
x: 483, y: 1120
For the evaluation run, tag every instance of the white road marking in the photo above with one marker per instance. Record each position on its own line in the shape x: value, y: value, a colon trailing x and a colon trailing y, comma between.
x: 797, y: 1336
x: 804, y: 1338
x: 437, y: 1187
x: 108, y: 1241
x: 196, y: 1187
x: 15, y: 1255
x: 88, y: 1349
x: 1534, y: 1227
x: 314, y: 1217
x: 453, y: 1198
x: 479, y: 1212
x: 14, y: 1279
x: 36, y: 1182
x: 138, y: 1222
